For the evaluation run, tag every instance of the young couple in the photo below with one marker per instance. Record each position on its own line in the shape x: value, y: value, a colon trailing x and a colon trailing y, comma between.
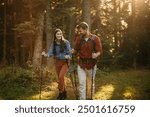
x: 87, y: 46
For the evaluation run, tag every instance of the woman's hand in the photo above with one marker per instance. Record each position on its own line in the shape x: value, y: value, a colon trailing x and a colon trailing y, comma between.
x: 67, y: 57
x: 44, y: 54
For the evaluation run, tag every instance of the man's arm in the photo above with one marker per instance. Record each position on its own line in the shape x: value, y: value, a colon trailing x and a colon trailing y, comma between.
x: 98, y: 48
x: 76, y: 44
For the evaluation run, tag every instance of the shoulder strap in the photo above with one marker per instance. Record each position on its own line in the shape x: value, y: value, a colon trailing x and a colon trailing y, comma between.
x: 93, y: 42
x: 80, y: 43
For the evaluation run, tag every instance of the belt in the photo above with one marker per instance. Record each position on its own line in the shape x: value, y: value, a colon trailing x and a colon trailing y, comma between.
x: 87, y: 60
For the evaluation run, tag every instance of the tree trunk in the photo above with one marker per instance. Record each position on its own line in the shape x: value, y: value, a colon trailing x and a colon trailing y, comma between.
x: 120, y: 33
x: 37, y: 58
x: 71, y: 29
x: 32, y: 36
x: 16, y: 49
x: 48, y: 31
x: 86, y: 12
x: 133, y: 37
x: 115, y: 25
x: 4, y: 35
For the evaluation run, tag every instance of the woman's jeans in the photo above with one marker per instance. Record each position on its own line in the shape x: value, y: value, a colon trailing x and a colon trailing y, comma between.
x: 61, y: 70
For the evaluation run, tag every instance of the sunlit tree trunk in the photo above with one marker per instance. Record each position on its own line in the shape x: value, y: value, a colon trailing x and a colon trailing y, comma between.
x: 32, y: 35
x: 115, y: 22
x: 48, y: 30
x: 120, y: 33
x: 37, y: 58
x: 86, y: 12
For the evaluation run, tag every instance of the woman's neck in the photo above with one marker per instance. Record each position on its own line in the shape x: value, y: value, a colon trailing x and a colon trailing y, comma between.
x: 58, y: 40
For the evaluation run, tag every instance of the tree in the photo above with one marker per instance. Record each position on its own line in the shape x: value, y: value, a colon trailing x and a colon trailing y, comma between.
x: 4, y: 34
x: 37, y: 58
x: 48, y: 28
x: 122, y: 25
x: 86, y: 12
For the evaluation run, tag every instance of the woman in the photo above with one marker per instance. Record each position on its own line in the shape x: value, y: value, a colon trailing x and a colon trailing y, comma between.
x: 60, y: 50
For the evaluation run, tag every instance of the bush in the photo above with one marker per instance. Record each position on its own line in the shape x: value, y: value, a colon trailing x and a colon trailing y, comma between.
x: 16, y: 82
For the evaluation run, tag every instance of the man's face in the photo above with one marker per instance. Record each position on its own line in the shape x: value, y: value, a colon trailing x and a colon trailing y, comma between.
x: 82, y: 32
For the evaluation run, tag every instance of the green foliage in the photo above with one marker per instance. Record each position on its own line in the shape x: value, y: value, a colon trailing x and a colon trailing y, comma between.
x: 15, y: 83
x: 119, y: 84
x: 122, y: 27
x: 18, y: 83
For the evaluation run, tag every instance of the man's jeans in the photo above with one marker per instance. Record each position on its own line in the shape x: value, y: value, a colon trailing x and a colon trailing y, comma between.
x: 82, y: 75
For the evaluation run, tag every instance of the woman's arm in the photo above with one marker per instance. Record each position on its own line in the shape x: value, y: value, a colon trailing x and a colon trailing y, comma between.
x: 68, y: 48
x: 50, y: 52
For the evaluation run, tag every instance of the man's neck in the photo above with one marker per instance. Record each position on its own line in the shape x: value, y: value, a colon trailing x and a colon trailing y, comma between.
x: 87, y: 35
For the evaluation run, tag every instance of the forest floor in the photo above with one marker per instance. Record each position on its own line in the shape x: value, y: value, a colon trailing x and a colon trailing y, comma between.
x: 22, y: 84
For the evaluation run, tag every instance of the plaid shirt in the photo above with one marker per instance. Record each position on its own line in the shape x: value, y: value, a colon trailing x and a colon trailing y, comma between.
x: 86, y: 50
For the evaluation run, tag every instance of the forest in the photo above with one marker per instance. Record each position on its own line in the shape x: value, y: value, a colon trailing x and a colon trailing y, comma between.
x: 27, y: 27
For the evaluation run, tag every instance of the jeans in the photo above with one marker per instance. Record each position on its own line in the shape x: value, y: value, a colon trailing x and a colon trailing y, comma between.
x: 61, y: 70
x: 83, y: 74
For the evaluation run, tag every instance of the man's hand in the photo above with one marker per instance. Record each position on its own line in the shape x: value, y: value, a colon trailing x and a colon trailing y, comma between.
x: 73, y: 51
x: 95, y: 55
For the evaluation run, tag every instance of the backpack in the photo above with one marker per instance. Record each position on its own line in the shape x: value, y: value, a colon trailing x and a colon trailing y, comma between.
x: 90, y: 62
x: 92, y: 41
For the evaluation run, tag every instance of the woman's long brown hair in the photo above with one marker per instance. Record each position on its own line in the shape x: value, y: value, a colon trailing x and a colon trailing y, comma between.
x: 62, y: 42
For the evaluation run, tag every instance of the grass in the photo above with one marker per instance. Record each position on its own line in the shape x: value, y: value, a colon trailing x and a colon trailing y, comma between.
x: 119, y: 85
x: 21, y: 84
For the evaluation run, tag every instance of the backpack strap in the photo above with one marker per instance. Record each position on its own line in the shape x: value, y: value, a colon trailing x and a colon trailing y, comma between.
x: 80, y: 44
x: 92, y: 41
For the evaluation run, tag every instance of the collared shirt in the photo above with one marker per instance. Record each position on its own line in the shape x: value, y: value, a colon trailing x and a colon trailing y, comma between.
x: 86, y: 49
x: 60, y: 55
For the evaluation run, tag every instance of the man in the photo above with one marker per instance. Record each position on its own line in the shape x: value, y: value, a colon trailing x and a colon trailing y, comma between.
x: 88, y: 48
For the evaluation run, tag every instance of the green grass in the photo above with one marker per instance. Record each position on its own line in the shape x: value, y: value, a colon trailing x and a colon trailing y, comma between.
x: 21, y: 84
x: 118, y: 85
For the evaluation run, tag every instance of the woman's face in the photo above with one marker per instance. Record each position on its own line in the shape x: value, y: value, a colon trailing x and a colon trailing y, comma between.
x: 59, y: 35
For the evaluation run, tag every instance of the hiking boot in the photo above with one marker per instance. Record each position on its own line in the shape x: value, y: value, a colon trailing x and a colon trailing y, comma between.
x: 62, y: 95
x: 59, y: 96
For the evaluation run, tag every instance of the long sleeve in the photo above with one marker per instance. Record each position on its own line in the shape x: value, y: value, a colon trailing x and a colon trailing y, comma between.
x: 50, y: 52
x: 68, y: 49
x: 98, y: 45
x: 60, y: 55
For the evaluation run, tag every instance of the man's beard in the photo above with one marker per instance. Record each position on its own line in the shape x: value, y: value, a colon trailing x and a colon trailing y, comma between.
x: 83, y: 35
